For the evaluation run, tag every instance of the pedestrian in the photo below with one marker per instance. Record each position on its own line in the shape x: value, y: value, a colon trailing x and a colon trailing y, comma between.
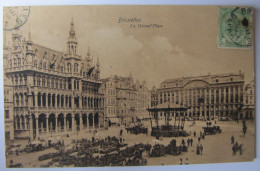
x: 183, y: 142
x: 203, y: 136
x: 198, y: 139
x: 201, y: 148
x: 191, y: 141
x: 180, y: 161
x: 232, y: 140
x: 200, y: 133
x: 198, y: 149
x: 194, y: 133
x: 121, y: 132
x: 188, y: 142
x: 187, y: 161
x: 215, y: 122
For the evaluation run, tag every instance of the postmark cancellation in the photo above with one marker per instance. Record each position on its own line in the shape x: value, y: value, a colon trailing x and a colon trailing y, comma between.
x: 235, y: 27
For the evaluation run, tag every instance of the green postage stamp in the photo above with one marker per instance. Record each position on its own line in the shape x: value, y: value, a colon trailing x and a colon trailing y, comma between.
x: 235, y: 27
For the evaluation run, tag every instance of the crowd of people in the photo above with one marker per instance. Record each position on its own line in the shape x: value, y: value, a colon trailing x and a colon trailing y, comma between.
x: 95, y: 152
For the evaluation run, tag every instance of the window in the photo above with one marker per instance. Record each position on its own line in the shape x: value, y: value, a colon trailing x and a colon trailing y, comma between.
x: 7, y: 116
x: 52, y: 83
x: 69, y: 67
x: 60, y: 84
x: 76, y: 67
x: 19, y: 62
x: 43, y: 82
x: 34, y: 80
x: 57, y: 83
x: 48, y: 82
x: 38, y: 81
x: 15, y: 63
x: 44, y: 65
x: 21, y: 80
x: 35, y: 63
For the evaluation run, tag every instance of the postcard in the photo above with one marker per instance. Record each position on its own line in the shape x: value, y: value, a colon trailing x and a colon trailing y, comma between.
x: 99, y: 86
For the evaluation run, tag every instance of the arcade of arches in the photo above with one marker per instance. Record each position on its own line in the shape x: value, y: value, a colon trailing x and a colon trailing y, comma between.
x: 48, y: 124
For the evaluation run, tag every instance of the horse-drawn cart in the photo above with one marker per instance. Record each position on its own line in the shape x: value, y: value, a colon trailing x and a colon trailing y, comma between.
x: 209, y: 130
x: 137, y: 129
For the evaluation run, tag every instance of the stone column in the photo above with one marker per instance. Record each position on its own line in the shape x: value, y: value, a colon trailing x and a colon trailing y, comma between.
x: 93, y: 120
x: 98, y: 120
x: 80, y: 122
x: 56, y: 101
x: 80, y: 102
x: 224, y: 112
x: 47, y: 125
x: 42, y: 100
x: 37, y: 129
x: 31, y: 127
x: 36, y: 100
x: 72, y: 123
x: 56, y: 124
x: 87, y: 122
x: 51, y: 101
x: 65, y: 124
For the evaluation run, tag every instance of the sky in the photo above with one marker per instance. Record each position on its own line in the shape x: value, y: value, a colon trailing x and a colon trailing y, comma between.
x: 185, y: 45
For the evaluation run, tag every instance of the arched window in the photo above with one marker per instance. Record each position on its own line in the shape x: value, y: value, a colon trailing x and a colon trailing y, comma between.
x: 69, y: 67
x: 76, y: 66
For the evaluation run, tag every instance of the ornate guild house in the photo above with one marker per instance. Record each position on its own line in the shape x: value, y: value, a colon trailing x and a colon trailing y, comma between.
x: 208, y: 96
x: 49, y: 92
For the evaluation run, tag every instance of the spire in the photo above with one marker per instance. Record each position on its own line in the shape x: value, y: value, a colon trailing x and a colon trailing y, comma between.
x: 72, y: 30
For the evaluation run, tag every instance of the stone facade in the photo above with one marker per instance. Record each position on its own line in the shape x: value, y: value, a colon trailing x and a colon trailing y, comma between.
x: 126, y: 100
x: 249, y: 100
x: 208, y: 96
x: 53, y: 92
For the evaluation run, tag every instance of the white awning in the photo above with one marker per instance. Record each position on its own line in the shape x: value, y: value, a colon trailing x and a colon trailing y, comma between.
x: 114, y: 120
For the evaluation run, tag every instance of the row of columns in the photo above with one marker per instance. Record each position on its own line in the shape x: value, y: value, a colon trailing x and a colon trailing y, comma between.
x: 210, y: 99
x: 179, y: 95
x: 20, y: 99
x: 39, y: 125
x: 67, y: 101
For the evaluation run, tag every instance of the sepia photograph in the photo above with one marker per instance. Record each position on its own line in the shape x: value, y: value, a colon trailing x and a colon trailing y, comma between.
x: 128, y: 85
